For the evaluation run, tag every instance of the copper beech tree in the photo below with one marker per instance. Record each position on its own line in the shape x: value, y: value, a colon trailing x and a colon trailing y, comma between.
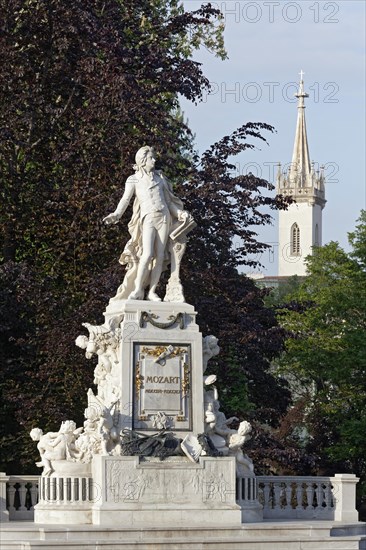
x: 84, y: 85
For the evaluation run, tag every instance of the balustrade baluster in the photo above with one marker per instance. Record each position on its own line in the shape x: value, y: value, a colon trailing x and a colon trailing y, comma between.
x: 53, y: 481
x: 300, y: 490
x: 267, y: 495
x: 73, y: 490
x: 44, y: 488
x: 250, y: 488
x: 34, y: 494
x: 288, y: 495
x: 58, y: 483
x: 309, y: 496
x: 255, y: 489
x: 241, y: 489
x: 319, y: 496
x: 84, y: 493
x: 327, y: 495
x: 277, y: 490
x: 22, y: 492
x: 80, y: 489
x: 260, y: 492
x: 41, y: 490
x: 48, y: 489
x: 66, y: 492
x: 11, y: 493
x: 91, y: 491
x: 246, y: 488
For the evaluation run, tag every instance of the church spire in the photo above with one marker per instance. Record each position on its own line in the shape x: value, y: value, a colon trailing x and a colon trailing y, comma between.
x: 300, y: 169
x: 300, y: 226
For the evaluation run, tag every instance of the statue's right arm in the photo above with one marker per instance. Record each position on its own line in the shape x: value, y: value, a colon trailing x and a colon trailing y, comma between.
x: 123, y: 203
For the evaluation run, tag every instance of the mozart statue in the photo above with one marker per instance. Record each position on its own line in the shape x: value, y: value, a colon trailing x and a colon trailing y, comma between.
x: 158, y: 230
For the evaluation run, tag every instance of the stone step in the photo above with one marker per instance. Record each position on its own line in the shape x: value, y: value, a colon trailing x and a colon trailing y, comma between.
x: 264, y: 536
x: 256, y: 531
x: 309, y: 535
x: 277, y: 543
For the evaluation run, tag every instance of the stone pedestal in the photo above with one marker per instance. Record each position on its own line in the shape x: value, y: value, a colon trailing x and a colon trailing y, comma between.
x: 345, y: 496
x: 149, y: 378
x: 159, y: 368
x: 137, y: 492
x: 66, y: 495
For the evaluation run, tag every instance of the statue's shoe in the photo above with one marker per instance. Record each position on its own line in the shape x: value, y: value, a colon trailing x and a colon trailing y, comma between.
x: 136, y: 295
x: 153, y: 297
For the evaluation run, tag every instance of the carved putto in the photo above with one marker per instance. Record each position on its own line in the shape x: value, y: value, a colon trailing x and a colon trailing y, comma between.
x: 227, y: 441
x: 56, y: 445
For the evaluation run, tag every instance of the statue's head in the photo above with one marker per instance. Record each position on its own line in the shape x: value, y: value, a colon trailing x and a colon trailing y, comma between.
x: 141, y: 157
x: 68, y: 426
x: 82, y: 341
x: 212, y: 342
x: 36, y: 434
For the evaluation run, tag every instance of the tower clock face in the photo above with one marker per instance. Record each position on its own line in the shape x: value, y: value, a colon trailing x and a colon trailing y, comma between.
x: 162, y: 387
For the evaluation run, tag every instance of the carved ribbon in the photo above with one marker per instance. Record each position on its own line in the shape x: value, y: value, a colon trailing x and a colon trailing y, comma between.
x: 147, y: 318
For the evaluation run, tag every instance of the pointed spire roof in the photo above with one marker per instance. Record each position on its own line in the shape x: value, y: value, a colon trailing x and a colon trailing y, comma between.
x: 300, y: 165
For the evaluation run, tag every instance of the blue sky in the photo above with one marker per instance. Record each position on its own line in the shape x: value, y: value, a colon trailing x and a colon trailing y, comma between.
x: 268, y: 43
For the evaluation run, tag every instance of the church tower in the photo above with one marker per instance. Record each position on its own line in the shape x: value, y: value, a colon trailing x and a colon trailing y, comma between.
x: 300, y: 227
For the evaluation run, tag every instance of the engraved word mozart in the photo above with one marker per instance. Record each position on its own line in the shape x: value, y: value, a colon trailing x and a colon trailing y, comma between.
x: 163, y: 379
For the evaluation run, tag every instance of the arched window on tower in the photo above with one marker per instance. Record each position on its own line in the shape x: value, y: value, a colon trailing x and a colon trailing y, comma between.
x: 295, y: 240
x: 316, y: 241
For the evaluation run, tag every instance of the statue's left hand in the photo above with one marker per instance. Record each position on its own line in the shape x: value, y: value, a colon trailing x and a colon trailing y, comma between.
x: 232, y: 419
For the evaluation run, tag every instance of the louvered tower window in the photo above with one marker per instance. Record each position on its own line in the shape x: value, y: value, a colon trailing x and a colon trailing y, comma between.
x: 295, y: 240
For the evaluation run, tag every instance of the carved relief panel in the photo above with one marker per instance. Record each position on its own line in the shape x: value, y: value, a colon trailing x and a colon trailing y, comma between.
x: 162, y: 387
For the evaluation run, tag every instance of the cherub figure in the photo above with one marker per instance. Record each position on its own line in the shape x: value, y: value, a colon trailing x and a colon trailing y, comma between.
x: 227, y: 440
x: 56, y: 445
x: 244, y: 465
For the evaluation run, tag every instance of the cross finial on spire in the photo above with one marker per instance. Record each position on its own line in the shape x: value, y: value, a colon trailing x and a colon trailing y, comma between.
x: 301, y: 93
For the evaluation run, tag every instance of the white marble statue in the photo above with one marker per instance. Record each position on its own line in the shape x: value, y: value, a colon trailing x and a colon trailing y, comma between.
x: 244, y: 465
x: 56, y: 445
x: 210, y: 348
x: 158, y: 230
x: 104, y: 342
x: 100, y: 434
x: 227, y: 440
x: 161, y: 421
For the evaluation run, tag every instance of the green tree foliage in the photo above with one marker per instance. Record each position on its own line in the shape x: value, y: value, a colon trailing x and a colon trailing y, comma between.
x: 325, y: 354
x: 278, y: 295
x: 84, y: 85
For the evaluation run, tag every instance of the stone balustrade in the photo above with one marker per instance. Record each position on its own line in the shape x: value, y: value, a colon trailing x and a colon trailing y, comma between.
x: 65, y: 490
x: 19, y: 495
x: 297, y: 497
x: 282, y: 497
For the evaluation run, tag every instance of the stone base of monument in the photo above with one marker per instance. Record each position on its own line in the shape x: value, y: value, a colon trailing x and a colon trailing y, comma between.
x: 279, y: 535
x: 131, y: 491
x: 150, y: 385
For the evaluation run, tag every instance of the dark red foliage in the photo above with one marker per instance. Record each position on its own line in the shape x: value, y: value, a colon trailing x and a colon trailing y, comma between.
x: 84, y: 85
